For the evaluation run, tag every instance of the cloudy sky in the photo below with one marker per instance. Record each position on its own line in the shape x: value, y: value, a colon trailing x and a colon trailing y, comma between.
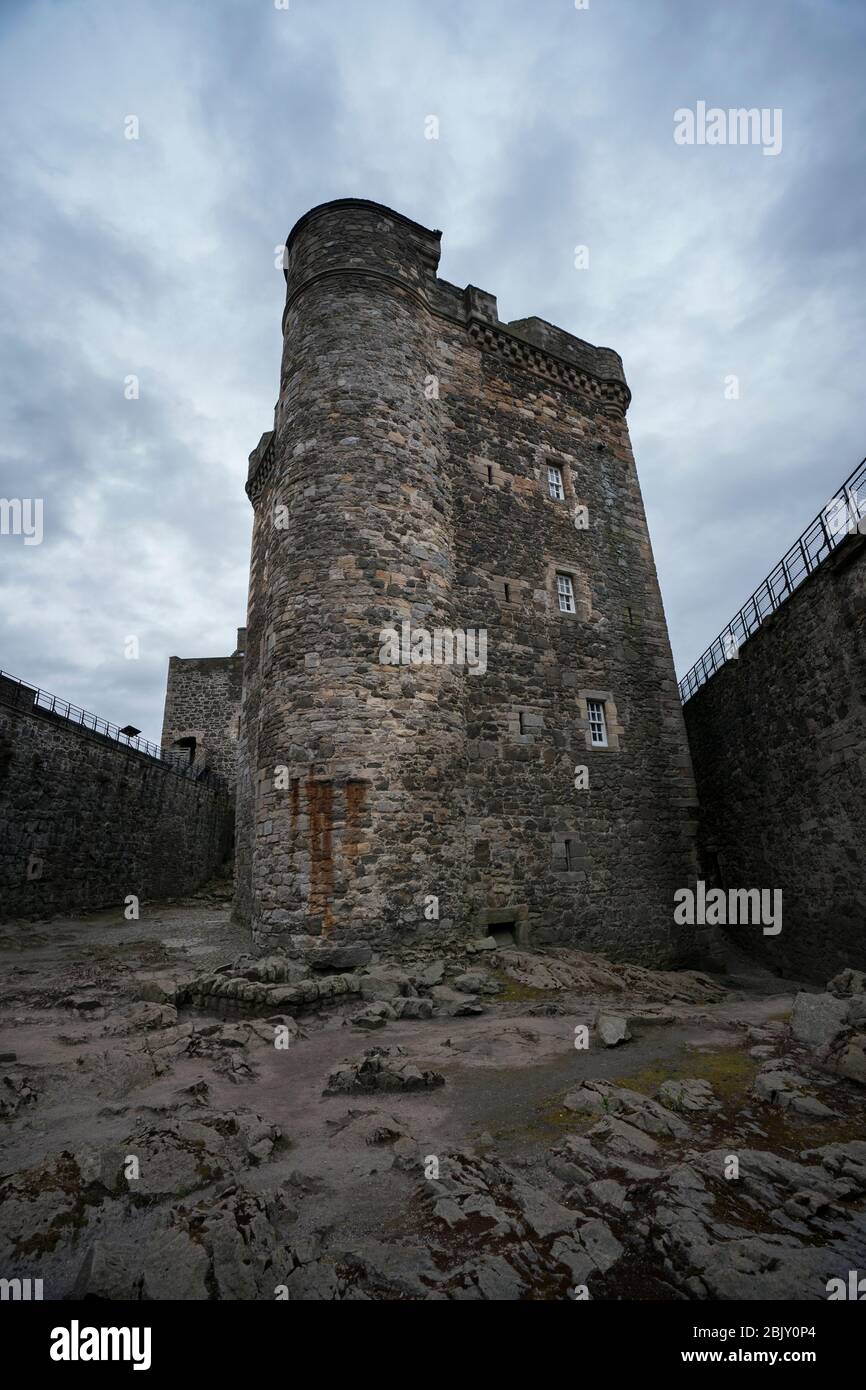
x: 154, y: 258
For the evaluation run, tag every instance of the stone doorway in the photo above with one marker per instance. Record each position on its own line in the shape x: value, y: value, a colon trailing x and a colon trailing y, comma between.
x: 509, y: 926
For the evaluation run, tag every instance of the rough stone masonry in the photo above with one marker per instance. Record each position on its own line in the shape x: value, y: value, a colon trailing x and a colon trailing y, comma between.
x: 86, y: 819
x: 202, y: 709
x: 778, y: 738
x: 432, y: 468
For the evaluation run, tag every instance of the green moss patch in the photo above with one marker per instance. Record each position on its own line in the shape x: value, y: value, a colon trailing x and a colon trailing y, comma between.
x: 729, y: 1072
x: 513, y: 992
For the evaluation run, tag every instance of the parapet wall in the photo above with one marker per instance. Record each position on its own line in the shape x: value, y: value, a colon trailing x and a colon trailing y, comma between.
x: 778, y: 741
x: 85, y: 821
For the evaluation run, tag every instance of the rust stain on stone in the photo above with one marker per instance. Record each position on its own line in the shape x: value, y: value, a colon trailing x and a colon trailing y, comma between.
x: 295, y: 806
x: 356, y: 796
x: 320, y: 803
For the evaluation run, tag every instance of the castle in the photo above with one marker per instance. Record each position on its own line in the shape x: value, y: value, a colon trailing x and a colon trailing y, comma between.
x: 432, y: 470
x: 453, y: 711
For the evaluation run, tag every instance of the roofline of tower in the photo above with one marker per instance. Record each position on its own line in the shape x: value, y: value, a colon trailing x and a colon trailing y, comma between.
x: 368, y: 203
x: 474, y: 310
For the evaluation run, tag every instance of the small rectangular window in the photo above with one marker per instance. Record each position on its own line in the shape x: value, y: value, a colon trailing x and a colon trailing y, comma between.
x: 490, y: 472
x: 520, y: 722
x: 565, y: 592
x: 597, y: 723
x: 568, y: 859
x: 507, y: 588
x: 554, y: 483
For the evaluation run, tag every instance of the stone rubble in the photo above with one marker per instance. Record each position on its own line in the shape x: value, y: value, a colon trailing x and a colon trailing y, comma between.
x: 381, y: 1069
x: 604, y: 1098
x: 834, y: 1023
x: 688, y: 1095
x: 612, y: 1029
x: 623, y: 1189
x: 15, y: 1092
x: 192, y: 1148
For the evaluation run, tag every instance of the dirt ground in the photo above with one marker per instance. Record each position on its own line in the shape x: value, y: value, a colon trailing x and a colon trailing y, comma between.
x: 158, y: 1141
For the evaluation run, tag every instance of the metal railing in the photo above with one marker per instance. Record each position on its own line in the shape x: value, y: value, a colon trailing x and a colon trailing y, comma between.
x: 31, y: 697
x: 820, y: 538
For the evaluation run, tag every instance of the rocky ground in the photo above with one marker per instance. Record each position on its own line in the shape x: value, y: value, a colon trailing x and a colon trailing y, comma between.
x: 179, y: 1120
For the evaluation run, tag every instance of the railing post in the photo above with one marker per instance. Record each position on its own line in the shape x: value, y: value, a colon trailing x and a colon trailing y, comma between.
x: 852, y: 507
x: 698, y: 673
x: 827, y: 539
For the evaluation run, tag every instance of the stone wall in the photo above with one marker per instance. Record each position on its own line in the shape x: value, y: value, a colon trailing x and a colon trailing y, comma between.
x: 778, y: 740
x: 85, y: 822
x: 405, y: 481
x: 202, y: 709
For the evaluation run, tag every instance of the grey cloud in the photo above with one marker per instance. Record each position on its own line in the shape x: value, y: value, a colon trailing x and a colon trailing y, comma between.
x: 157, y: 258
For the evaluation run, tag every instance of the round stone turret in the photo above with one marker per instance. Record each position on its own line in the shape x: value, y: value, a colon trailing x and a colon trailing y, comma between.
x: 356, y: 754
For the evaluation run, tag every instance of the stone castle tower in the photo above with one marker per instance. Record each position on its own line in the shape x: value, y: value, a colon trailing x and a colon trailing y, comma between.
x: 201, y: 720
x: 431, y: 468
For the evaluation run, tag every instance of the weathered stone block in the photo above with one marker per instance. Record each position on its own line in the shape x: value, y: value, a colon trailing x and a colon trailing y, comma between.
x: 818, y: 1018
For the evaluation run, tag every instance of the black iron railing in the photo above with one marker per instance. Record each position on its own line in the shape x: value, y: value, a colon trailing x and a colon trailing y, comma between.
x: 25, y: 696
x: 820, y: 538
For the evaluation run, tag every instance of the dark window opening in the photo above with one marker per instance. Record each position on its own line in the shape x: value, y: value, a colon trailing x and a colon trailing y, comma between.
x: 507, y: 588
x: 520, y: 722
x: 564, y: 855
x: 188, y: 746
x: 490, y: 473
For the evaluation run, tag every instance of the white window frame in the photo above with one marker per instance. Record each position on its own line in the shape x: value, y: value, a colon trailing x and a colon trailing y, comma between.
x: 595, y: 713
x: 565, y: 593
x: 555, y: 483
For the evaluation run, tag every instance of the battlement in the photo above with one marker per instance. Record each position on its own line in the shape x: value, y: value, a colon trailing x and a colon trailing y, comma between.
x: 352, y: 240
x: 351, y: 237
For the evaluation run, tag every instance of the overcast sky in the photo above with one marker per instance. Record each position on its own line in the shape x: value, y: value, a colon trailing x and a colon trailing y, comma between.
x: 155, y: 258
